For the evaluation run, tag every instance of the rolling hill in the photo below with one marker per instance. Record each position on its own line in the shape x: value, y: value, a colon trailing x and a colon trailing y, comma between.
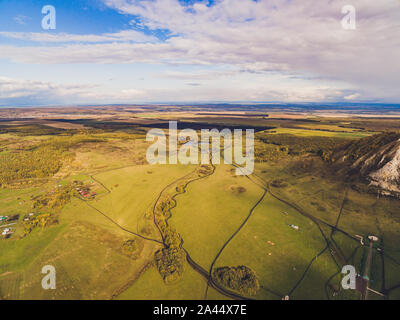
x: 375, y: 158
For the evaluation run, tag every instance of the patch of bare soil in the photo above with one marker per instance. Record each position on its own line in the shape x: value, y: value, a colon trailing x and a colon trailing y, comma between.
x: 236, y: 189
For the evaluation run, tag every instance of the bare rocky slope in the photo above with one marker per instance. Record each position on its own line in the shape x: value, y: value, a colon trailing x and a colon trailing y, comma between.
x: 375, y: 158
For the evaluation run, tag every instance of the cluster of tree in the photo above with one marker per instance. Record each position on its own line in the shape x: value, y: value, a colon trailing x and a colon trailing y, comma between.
x: 49, y: 204
x: 170, y: 260
x: 40, y: 162
x: 166, y: 205
x: 205, y: 170
x: 132, y: 248
x: 34, y: 130
x: 279, y: 183
x: 170, y: 263
x: 56, y: 199
x: 162, y: 210
x: 241, y: 279
x: 37, y: 162
x: 113, y: 127
x: 172, y: 239
x: 295, y: 145
x: 42, y: 221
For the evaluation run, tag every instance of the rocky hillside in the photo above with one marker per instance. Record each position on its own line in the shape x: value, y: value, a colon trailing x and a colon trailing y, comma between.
x: 375, y: 158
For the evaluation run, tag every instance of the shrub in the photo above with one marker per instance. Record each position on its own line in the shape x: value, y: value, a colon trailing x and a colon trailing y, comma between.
x: 241, y: 279
x: 170, y: 263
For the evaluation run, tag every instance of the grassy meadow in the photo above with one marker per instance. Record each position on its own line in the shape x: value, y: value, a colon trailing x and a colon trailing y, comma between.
x: 289, y: 241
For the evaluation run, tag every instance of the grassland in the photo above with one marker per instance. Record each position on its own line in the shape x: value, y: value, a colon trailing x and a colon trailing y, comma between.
x: 222, y: 219
x: 207, y: 205
x: 133, y: 190
x: 325, y: 131
x: 150, y: 286
x: 269, y: 246
x: 353, y: 212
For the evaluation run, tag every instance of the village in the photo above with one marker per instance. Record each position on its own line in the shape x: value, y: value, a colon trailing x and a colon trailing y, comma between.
x: 7, y: 225
x: 10, y: 222
x: 85, y: 191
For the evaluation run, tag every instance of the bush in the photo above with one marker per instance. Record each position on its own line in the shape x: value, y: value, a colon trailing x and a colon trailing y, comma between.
x: 132, y: 248
x: 241, y: 279
x: 170, y: 263
x: 279, y: 183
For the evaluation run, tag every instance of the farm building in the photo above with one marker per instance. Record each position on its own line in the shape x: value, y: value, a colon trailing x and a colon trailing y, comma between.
x: 86, y: 193
x: 6, y: 231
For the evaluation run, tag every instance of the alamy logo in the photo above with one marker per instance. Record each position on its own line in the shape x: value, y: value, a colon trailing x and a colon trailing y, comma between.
x: 49, y: 280
x: 191, y: 145
x: 349, y: 20
x: 349, y: 280
x: 49, y: 20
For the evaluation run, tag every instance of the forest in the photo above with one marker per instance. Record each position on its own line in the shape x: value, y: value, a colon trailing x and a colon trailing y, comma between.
x: 42, y: 160
x: 296, y: 145
x: 271, y: 147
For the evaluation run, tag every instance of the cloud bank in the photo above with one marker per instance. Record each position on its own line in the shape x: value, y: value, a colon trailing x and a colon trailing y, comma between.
x: 300, y: 38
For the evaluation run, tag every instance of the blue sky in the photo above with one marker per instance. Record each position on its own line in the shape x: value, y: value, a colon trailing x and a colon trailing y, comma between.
x: 144, y: 51
x: 74, y: 17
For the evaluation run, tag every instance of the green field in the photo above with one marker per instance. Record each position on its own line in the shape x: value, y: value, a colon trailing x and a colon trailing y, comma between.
x: 208, y: 205
x: 293, y: 222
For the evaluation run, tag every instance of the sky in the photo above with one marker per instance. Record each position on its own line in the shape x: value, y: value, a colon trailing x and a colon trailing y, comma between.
x: 198, y: 51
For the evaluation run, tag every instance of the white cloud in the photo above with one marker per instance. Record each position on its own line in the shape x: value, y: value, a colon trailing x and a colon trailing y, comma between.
x: 18, y: 91
x: 300, y: 37
x: 122, y: 36
x: 29, y: 92
x: 353, y: 96
x: 16, y: 88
